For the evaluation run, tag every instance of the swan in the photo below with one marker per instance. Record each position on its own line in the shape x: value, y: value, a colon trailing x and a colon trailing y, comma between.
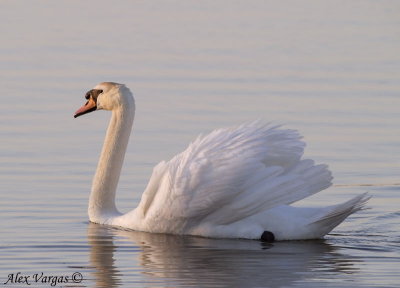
x: 232, y: 183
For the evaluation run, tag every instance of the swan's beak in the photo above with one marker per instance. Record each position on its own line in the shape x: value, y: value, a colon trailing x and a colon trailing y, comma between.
x: 90, y: 106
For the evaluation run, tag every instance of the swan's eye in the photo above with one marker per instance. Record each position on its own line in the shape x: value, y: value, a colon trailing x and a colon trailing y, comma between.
x: 100, y: 91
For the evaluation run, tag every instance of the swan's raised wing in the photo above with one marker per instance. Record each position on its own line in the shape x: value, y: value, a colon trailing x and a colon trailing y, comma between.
x: 229, y: 175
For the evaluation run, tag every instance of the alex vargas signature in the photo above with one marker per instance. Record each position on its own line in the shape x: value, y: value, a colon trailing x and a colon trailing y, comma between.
x: 52, y: 280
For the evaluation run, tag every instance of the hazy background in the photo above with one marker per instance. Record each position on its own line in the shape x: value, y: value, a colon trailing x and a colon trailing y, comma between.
x: 330, y: 69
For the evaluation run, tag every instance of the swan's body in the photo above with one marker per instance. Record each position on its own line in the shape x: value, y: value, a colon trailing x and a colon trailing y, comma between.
x: 232, y: 183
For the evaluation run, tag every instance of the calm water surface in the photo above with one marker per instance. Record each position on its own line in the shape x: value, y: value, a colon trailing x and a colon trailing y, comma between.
x: 329, y: 69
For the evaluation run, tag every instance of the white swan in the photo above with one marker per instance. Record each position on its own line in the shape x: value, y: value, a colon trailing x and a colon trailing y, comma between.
x: 232, y: 183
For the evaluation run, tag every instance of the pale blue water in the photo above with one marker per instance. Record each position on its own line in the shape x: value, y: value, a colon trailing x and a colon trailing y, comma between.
x: 327, y: 68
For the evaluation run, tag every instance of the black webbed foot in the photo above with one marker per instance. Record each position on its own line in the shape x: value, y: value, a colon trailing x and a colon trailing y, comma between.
x: 267, y: 236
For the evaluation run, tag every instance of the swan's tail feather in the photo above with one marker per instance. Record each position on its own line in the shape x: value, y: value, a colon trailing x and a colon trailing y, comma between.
x: 337, y: 213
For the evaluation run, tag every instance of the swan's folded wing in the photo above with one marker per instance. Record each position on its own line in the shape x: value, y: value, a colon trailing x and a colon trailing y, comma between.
x: 231, y: 174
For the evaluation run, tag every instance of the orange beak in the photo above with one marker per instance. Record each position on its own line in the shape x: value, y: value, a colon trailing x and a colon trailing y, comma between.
x: 90, y: 106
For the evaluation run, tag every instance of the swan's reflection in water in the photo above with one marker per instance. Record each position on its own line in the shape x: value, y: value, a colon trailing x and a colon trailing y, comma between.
x: 168, y: 260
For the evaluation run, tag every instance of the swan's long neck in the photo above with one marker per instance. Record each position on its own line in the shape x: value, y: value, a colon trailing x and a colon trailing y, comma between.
x: 102, y: 197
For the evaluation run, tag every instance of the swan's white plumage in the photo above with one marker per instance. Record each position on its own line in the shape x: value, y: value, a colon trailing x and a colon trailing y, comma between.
x: 232, y: 174
x: 234, y: 182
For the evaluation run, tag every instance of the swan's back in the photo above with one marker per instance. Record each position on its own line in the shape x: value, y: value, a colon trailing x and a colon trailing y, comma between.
x: 230, y: 175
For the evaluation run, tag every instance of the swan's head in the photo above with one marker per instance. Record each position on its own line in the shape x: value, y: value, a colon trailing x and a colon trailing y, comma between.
x: 105, y: 96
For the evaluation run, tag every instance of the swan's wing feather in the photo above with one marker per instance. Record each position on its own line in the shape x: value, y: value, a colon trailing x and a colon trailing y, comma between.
x: 231, y: 174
